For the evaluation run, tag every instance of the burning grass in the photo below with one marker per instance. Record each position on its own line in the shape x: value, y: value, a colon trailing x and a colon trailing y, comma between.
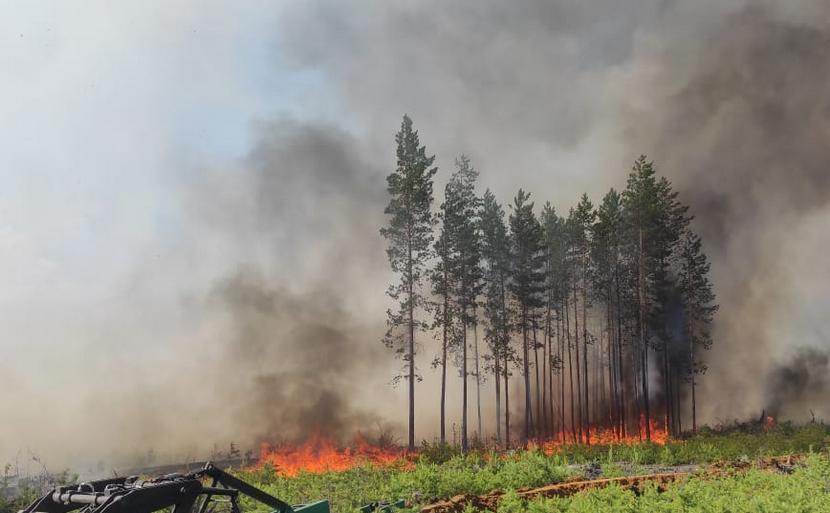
x: 354, y: 476
x: 319, y: 454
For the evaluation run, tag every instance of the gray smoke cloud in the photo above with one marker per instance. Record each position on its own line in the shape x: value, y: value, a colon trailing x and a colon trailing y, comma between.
x: 266, y: 308
x: 559, y: 97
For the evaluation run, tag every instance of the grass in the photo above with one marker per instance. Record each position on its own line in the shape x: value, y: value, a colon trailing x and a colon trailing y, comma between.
x: 806, y: 490
x: 441, y: 471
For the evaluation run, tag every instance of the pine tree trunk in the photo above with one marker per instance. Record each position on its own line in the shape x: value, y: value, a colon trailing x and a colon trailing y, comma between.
x: 692, y: 372
x: 506, y: 402
x: 411, y: 355
x: 536, y: 426
x: 612, y: 376
x: 478, y: 375
x: 643, y: 345
x: 561, y: 340
x: 678, y: 414
x: 587, y: 403
x: 526, y: 358
x: 667, y: 388
x: 570, y: 371
x: 505, y: 341
x: 551, y: 414
x: 578, y: 365
x: 497, y: 380
x: 620, y: 367
x: 444, y: 366
x: 550, y: 427
x: 464, y: 441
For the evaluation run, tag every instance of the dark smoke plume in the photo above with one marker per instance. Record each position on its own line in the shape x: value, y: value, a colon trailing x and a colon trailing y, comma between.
x: 302, y: 358
x: 795, y: 386
x: 738, y: 118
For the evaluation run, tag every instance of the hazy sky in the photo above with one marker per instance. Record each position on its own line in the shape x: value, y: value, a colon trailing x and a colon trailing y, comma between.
x: 158, y: 155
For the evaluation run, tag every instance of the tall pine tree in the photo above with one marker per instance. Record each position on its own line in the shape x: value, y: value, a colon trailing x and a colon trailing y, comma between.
x: 699, y: 306
x: 461, y: 217
x: 527, y: 282
x: 409, y: 237
x: 495, y: 253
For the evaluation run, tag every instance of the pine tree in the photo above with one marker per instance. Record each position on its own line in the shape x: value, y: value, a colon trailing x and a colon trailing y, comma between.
x: 461, y: 214
x: 699, y: 306
x: 654, y: 219
x: 495, y: 253
x: 409, y: 237
x: 527, y: 282
x: 556, y: 286
x: 607, y: 233
x: 580, y: 221
x: 444, y: 309
x: 640, y: 201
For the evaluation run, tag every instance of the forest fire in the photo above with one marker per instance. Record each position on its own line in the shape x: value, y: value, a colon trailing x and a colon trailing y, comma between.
x: 603, y: 436
x: 321, y: 454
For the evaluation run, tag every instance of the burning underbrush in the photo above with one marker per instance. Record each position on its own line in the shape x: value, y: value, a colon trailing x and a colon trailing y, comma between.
x: 320, y: 454
x: 365, y: 471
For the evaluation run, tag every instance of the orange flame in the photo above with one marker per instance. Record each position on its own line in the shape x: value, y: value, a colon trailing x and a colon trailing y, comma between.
x: 320, y: 454
x: 601, y: 436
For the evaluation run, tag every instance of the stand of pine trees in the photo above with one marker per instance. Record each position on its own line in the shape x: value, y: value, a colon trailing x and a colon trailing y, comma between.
x: 599, y: 317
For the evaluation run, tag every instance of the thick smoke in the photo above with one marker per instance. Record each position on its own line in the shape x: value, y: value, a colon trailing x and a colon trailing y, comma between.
x: 266, y: 312
x: 301, y: 350
x: 803, y: 380
x: 737, y: 118
x: 729, y: 98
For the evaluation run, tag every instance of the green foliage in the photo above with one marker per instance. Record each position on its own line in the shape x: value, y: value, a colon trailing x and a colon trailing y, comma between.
x: 806, y: 490
x: 438, y: 452
x: 441, y: 471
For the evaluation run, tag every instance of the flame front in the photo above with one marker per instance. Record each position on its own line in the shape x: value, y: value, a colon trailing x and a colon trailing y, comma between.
x: 599, y: 436
x: 321, y: 454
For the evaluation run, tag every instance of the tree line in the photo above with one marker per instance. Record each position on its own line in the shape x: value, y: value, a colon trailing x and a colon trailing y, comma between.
x: 589, y: 309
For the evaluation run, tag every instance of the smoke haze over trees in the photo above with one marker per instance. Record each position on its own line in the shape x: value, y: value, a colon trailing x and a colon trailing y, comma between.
x: 634, y: 273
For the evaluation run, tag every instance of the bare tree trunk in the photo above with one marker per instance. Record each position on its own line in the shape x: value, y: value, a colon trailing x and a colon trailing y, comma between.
x: 642, y: 304
x: 620, y: 368
x: 526, y: 357
x: 677, y: 409
x: 411, y: 349
x: 506, y: 402
x: 497, y: 380
x: 478, y: 375
x: 667, y: 387
x: 570, y: 373
x: 612, y: 383
x: 587, y: 423
x: 561, y: 340
x: 536, y: 371
x: 551, y: 428
x: 543, y: 411
x: 444, y: 366
x: 464, y: 441
x: 578, y: 365
x: 690, y: 328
